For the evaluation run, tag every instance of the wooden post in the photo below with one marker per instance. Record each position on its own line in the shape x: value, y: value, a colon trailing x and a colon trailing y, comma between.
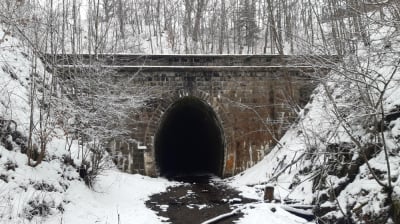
x: 269, y: 193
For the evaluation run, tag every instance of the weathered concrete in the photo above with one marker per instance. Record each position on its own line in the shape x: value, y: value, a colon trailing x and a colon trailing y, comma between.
x: 254, y: 105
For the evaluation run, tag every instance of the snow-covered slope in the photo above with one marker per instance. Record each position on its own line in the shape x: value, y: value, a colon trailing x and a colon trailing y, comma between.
x: 53, y: 192
x: 15, y: 72
x: 318, y: 160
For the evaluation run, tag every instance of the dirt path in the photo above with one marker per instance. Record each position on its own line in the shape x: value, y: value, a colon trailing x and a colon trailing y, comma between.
x: 197, y: 200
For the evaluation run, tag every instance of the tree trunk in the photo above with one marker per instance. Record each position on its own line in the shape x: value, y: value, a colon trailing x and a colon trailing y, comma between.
x: 199, y: 13
x: 121, y: 18
x: 222, y: 28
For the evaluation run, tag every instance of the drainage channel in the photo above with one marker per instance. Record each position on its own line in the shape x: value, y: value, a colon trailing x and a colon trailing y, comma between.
x: 197, y: 199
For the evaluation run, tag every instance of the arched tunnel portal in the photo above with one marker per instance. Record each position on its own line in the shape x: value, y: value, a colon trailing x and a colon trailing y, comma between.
x: 189, y: 140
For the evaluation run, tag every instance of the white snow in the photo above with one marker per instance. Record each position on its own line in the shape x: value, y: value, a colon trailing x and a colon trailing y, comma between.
x: 268, y: 213
x: 118, y: 196
x: 15, y: 70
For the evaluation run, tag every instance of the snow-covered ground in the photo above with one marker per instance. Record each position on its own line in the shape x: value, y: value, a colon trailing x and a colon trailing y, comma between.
x: 53, y: 193
x: 268, y: 213
x: 117, y: 198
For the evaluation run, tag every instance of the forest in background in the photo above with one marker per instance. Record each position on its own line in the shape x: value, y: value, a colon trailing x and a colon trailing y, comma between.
x: 197, y: 26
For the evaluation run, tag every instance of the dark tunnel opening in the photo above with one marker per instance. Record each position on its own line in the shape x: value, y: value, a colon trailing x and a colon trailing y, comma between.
x: 189, y: 140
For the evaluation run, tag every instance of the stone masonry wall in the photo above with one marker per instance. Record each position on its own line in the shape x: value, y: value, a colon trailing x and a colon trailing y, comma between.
x: 254, y: 108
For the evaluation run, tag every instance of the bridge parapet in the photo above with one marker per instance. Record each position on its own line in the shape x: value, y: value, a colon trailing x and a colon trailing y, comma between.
x: 193, y: 63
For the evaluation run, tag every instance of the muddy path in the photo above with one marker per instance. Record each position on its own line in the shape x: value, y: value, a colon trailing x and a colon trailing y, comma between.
x: 198, y: 199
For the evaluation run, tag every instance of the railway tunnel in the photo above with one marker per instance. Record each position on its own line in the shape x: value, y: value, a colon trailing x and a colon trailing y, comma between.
x: 183, y: 136
x: 189, y: 140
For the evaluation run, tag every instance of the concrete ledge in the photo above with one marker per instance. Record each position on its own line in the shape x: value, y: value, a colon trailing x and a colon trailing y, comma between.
x: 222, y: 60
x: 191, y: 68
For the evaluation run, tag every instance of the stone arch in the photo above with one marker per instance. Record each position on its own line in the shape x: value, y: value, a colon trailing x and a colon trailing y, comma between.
x: 151, y: 166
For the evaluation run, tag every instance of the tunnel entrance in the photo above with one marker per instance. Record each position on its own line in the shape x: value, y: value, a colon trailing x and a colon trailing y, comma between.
x: 189, y: 140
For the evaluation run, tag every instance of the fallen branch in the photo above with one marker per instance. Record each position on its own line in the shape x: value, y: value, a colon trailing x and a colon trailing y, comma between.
x: 275, y: 177
x: 223, y: 216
